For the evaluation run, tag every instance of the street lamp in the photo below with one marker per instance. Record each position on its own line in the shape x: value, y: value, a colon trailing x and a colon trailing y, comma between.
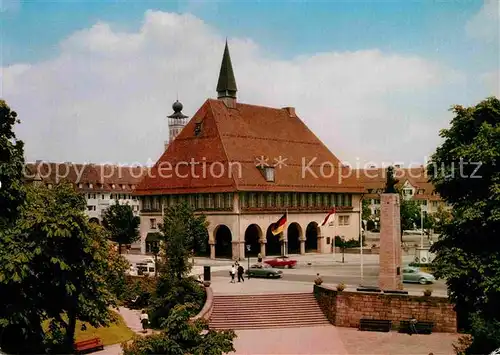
x: 249, y: 247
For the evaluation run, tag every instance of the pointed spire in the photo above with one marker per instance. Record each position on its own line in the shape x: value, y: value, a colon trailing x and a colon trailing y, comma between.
x: 226, y: 86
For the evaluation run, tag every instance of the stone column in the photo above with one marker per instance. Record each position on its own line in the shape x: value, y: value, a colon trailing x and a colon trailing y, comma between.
x: 263, y: 248
x: 235, y: 253
x: 390, y: 262
x: 302, y: 246
x: 284, y: 242
x: 212, y: 250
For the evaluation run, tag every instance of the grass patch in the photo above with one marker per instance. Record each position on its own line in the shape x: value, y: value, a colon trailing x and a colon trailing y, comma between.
x: 116, y: 333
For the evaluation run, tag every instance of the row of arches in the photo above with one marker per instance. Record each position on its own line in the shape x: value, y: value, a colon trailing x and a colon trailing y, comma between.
x: 273, y: 246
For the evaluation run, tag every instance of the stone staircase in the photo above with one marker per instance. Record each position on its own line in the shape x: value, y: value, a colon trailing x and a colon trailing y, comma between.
x: 288, y: 310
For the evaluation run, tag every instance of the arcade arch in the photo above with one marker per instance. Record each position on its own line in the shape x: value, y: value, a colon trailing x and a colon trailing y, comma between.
x: 223, y: 241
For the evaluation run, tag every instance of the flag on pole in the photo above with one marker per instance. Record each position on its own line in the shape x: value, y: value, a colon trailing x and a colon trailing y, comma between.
x: 279, y: 226
x: 329, y: 216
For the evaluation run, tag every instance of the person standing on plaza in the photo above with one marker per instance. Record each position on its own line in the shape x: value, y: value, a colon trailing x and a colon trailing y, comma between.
x: 240, y: 273
x: 259, y: 258
x: 233, y: 273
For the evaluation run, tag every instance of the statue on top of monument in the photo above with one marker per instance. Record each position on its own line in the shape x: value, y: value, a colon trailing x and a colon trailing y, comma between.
x: 391, y: 181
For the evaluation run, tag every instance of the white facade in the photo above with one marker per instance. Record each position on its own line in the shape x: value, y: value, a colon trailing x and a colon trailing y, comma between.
x: 346, y: 224
x: 97, y: 202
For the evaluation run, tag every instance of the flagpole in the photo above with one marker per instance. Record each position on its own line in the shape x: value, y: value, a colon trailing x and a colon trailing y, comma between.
x: 361, y: 235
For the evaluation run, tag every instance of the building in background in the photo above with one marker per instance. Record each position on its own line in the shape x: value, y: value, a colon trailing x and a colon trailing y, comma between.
x: 101, y: 185
x: 413, y: 183
x: 245, y: 166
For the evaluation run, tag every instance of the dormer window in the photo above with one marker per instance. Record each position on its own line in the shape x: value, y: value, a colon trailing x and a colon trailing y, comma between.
x: 91, y: 186
x: 197, y: 128
x: 80, y: 186
x: 269, y: 173
x: 112, y: 186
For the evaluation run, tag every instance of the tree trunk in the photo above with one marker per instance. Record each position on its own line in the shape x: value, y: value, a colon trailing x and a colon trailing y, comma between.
x: 70, y: 331
x: 120, y: 248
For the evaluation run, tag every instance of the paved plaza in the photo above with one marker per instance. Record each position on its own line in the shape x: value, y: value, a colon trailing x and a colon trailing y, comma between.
x: 319, y: 339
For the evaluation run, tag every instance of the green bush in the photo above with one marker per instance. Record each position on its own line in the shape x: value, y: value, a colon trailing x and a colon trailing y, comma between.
x: 180, y: 336
x: 351, y: 243
x: 138, y: 289
x: 172, y: 292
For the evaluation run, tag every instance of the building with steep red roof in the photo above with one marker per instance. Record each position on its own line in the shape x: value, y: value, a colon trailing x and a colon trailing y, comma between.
x: 244, y: 166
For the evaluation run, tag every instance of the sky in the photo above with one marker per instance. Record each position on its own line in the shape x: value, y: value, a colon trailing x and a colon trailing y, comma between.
x: 93, y: 81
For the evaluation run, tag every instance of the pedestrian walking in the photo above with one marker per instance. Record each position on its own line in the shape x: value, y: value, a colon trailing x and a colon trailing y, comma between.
x: 233, y: 273
x: 240, y: 273
x: 259, y: 257
x: 144, y: 321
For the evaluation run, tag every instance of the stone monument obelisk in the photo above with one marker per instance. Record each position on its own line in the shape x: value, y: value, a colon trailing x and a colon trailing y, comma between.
x: 390, y: 258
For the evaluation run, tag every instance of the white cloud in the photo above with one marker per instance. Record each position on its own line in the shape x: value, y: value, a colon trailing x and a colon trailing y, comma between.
x: 485, y: 24
x: 491, y: 81
x: 105, y: 96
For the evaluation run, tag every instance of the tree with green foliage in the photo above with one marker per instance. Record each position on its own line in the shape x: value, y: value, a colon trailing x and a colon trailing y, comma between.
x: 122, y: 225
x: 366, y: 212
x: 11, y: 167
x: 465, y: 171
x: 442, y: 217
x: 410, y: 214
x: 53, y: 267
x: 182, y: 231
x: 181, y: 336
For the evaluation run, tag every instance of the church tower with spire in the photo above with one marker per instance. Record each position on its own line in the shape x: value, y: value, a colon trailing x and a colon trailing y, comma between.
x: 176, y: 122
x: 226, y: 86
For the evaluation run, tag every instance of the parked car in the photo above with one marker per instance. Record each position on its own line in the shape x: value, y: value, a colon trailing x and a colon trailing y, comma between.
x: 414, y: 274
x: 281, y: 261
x: 258, y: 270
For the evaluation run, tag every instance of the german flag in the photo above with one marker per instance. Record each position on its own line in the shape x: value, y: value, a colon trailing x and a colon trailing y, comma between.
x: 279, y: 226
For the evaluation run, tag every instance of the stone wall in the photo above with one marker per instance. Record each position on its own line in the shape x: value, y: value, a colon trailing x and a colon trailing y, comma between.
x: 346, y: 308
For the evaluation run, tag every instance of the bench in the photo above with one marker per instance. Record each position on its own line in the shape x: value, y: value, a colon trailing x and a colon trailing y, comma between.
x: 421, y: 327
x: 88, y: 345
x: 399, y: 292
x: 368, y: 289
x: 376, y: 325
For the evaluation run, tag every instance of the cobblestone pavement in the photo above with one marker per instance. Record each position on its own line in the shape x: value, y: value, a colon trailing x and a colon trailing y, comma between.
x: 307, y: 340
x: 336, y: 341
x: 393, y: 343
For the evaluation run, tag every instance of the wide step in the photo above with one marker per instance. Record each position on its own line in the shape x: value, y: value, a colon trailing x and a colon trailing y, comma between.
x: 266, y: 311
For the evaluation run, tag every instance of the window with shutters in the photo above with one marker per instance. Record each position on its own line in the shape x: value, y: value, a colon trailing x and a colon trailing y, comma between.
x: 349, y: 200
x: 253, y: 200
x: 303, y: 200
x: 279, y: 200
x: 286, y: 199
x: 199, y: 201
x: 210, y: 201
x: 310, y: 200
x: 319, y: 200
x: 219, y: 201
x: 229, y: 202
x: 243, y: 200
x: 295, y: 199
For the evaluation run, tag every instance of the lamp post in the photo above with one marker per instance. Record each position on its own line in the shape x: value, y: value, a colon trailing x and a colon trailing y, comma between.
x: 248, y: 259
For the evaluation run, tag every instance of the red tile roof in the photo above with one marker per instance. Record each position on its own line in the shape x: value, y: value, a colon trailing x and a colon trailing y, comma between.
x: 374, y: 181
x: 231, y: 141
x: 102, y: 177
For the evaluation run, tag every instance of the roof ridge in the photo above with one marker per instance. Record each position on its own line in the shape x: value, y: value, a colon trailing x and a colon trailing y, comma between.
x: 219, y: 137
